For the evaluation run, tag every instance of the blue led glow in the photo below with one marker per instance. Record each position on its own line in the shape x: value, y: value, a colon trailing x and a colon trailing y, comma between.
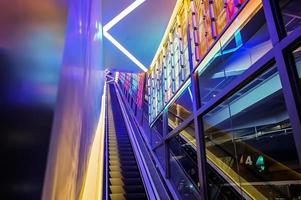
x: 238, y: 42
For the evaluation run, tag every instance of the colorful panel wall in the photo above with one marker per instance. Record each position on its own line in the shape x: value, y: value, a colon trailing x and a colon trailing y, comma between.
x: 133, y: 84
x: 171, y: 68
x: 193, y: 30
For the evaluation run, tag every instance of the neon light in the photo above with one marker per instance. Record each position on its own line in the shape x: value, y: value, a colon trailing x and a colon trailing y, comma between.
x: 92, y: 187
x: 98, y: 33
x: 180, y: 91
x: 116, y: 76
x: 238, y: 41
x: 190, y: 94
x: 260, y: 163
x: 122, y: 15
x: 123, y: 50
x: 172, y: 19
x: 250, y: 9
x: 114, y: 21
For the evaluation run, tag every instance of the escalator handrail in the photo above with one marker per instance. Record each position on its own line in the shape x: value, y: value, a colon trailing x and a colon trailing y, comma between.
x: 106, y: 153
x: 167, y: 186
x: 160, y: 172
x: 221, y: 173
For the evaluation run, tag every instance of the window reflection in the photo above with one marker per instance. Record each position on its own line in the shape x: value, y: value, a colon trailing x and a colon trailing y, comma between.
x: 291, y: 14
x: 184, y: 187
x: 158, y: 126
x: 250, y: 139
x: 160, y: 154
x: 157, y: 132
x: 183, y: 156
x: 234, y: 55
x: 182, y: 147
x: 181, y: 108
x: 297, y: 56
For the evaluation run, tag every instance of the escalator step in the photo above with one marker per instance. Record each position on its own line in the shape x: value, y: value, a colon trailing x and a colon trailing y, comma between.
x: 124, y: 176
x: 130, y: 168
x: 134, y: 196
x: 124, y: 168
x: 134, y: 188
x: 117, y: 189
x: 114, y: 162
x: 115, y: 174
x: 130, y: 174
x: 117, y: 197
x: 116, y: 181
x: 127, y: 162
x: 115, y: 168
x: 132, y: 181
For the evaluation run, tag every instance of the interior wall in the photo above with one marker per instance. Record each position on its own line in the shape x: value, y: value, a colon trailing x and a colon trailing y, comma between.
x: 78, y: 103
x: 31, y: 47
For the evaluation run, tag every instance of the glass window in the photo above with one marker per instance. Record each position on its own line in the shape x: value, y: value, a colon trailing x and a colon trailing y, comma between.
x: 182, y: 148
x: 182, y: 185
x: 249, y: 140
x: 297, y: 56
x: 291, y: 14
x: 183, y: 163
x: 160, y: 153
x: 157, y: 132
x: 155, y: 139
x: 248, y: 41
x: 180, y: 109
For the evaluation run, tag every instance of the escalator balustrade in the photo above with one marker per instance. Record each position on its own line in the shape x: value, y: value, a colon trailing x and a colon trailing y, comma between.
x: 125, y: 181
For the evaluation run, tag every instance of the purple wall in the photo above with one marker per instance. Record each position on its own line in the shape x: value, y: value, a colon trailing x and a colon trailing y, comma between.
x: 78, y: 102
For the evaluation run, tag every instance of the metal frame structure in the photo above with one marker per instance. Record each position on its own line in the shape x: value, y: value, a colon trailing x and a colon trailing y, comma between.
x: 280, y: 55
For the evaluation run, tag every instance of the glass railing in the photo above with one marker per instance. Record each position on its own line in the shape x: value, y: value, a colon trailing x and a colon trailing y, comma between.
x: 250, y: 143
x: 250, y: 140
x: 184, y: 186
x: 183, y: 150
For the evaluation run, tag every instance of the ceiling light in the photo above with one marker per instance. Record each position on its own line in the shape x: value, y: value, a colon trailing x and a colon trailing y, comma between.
x: 114, y: 21
x: 123, y: 14
x: 124, y: 50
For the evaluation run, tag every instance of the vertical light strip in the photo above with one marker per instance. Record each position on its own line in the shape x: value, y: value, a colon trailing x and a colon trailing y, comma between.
x: 125, y: 51
x: 116, y: 76
x: 92, y: 187
x: 113, y: 22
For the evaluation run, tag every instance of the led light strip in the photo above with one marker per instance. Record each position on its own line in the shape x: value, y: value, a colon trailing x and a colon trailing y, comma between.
x: 113, y: 22
x: 172, y: 19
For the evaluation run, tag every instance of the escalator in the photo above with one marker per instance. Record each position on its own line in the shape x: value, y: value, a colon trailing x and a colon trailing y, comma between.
x: 125, y: 181
x: 183, y: 146
x: 223, y: 170
x: 218, y: 187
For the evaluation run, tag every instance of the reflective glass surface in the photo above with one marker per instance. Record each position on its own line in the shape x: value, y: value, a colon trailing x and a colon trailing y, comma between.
x: 157, y: 132
x: 155, y: 139
x: 235, y: 53
x: 182, y: 184
x: 182, y: 147
x: 249, y: 140
x: 291, y: 14
x: 183, y: 167
x: 181, y: 108
x: 160, y: 154
x: 297, y: 56
x: 158, y: 126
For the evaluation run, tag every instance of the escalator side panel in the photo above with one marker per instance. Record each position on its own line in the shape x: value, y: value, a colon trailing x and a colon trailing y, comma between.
x: 124, y: 177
